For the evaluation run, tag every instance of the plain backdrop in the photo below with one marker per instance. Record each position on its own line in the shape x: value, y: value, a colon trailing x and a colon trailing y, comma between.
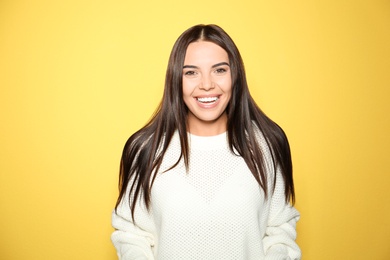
x: 77, y: 78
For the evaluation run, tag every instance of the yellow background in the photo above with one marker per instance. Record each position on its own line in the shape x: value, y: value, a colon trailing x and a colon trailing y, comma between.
x: 78, y: 77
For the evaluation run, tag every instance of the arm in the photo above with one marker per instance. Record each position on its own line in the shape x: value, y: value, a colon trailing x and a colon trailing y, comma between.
x: 132, y: 241
x: 279, y: 241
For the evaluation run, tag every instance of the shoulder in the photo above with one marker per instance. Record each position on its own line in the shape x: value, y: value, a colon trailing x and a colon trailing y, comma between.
x: 270, y: 136
x: 171, y: 154
x: 137, y: 145
x: 261, y: 138
x: 265, y: 143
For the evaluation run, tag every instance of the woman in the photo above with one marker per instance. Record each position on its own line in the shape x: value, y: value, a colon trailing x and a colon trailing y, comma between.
x: 210, y: 176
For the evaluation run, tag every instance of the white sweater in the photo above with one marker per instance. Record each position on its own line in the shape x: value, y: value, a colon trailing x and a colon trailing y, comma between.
x: 215, y: 211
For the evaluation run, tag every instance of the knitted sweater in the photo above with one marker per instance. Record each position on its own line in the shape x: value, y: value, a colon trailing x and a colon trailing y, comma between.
x: 215, y: 211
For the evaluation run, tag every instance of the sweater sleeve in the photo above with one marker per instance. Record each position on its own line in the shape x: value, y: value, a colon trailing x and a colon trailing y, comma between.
x: 132, y: 240
x: 279, y: 241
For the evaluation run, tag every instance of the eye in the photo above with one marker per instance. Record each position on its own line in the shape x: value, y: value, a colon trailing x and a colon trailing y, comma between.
x: 190, y: 73
x: 220, y: 70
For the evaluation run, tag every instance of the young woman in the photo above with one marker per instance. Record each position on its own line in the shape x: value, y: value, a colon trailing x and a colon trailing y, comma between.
x: 210, y: 176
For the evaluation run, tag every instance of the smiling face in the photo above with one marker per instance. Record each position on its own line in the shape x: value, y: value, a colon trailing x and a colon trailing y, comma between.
x: 207, y: 87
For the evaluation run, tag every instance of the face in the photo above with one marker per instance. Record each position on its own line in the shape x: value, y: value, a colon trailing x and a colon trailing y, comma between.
x: 207, y: 87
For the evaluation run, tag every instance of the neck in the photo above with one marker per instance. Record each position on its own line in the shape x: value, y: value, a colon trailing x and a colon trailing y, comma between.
x: 207, y: 128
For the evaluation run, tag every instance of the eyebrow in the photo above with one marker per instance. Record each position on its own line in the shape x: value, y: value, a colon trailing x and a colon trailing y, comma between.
x: 215, y: 65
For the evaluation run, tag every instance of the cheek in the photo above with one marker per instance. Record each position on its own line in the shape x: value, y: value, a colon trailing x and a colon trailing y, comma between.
x: 186, y: 93
x: 226, y: 85
x: 188, y: 87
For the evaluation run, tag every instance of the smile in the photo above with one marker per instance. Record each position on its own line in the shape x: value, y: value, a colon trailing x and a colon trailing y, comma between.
x: 207, y: 99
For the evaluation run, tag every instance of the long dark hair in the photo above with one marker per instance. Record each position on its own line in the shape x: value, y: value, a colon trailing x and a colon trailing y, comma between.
x: 144, y: 151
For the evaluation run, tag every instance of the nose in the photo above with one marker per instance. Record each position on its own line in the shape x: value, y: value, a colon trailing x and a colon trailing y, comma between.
x: 207, y: 83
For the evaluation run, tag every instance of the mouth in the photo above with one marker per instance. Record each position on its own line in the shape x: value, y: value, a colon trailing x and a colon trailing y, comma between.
x: 207, y: 100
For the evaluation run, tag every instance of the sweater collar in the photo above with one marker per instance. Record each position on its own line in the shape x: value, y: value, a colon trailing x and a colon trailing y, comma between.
x: 214, y: 142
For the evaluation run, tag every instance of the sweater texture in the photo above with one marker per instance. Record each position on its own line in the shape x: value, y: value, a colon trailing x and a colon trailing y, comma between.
x: 216, y: 210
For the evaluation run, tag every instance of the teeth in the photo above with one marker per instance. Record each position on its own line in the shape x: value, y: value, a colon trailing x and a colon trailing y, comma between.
x: 207, y: 99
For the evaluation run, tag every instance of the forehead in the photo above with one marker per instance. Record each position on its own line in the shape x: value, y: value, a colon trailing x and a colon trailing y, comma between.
x: 204, y: 51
